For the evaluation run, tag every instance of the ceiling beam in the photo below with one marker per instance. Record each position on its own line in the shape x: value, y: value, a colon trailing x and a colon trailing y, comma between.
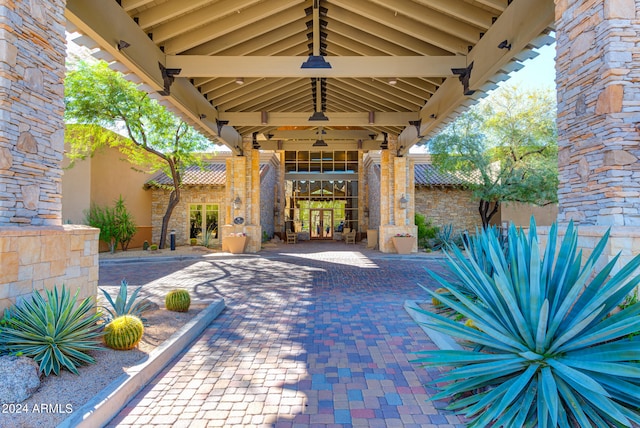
x: 522, y: 22
x: 360, y: 119
x: 106, y: 23
x: 281, y: 66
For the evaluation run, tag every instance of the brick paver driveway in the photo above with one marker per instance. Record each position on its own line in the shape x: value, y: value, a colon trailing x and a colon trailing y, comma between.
x: 313, y: 335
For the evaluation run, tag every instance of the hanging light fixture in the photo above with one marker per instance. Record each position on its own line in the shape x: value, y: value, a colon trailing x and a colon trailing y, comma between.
x: 237, y: 203
x: 404, y: 201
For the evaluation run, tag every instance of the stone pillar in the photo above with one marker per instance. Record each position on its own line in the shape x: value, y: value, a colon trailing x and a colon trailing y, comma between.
x: 598, y: 67
x: 280, y: 195
x: 598, y: 70
x: 362, y: 194
x: 396, y: 181
x: 243, y: 182
x: 36, y: 251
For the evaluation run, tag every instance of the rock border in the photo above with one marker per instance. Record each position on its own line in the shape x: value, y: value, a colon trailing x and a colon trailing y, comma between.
x: 112, y: 399
x: 441, y: 340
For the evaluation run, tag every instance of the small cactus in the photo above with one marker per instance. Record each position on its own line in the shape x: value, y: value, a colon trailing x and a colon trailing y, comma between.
x: 435, y: 301
x: 178, y: 300
x: 123, y: 333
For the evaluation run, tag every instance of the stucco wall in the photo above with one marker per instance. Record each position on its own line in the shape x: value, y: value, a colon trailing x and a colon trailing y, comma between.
x: 447, y: 205
x: 520, y: 214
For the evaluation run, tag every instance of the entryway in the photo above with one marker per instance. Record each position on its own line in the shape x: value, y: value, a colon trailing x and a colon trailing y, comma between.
x: 321, y: 223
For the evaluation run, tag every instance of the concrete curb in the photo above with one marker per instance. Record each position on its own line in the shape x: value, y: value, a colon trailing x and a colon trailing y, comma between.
x: 112, y: 399
x: 442, y: 341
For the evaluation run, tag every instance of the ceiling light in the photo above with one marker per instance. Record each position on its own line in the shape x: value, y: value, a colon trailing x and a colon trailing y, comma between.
x: 240, y: 80
x: 372, y: 118
x: 264, y: 117
x: 393, y: 81
x: 315, y: 61
x: 320, y: 143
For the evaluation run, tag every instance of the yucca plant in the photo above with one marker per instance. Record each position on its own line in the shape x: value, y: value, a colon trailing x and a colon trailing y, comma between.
x: 125, y: 305
x: 548, y: 350
x: 55, y: 332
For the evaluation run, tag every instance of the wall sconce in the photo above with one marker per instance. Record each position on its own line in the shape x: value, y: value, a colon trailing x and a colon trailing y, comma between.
x: 237, y: 203
x: 404, y: 201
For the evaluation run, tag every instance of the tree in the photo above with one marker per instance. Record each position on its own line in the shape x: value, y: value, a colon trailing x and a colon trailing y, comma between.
x: 507, y: 147
x: 96, y: 95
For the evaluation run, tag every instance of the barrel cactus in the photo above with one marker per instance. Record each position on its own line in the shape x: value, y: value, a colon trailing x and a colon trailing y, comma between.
x: 178, y: 300
x: 123, y: 333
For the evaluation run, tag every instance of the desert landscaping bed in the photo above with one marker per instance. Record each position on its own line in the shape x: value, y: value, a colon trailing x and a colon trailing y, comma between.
x: 59, y: 396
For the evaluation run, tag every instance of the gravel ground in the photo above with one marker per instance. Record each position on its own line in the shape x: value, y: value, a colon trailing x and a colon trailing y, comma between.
x: 61, y: 395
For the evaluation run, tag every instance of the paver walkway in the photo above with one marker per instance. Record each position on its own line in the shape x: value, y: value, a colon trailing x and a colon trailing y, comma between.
x: 314, y: 335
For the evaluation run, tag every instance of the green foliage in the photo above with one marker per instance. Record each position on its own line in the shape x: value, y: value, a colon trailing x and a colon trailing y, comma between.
x: 125, y: 224
x: 124, y: 305
x: 104, y: 219
x: 208, y: 238
x: 145, y: 246
x: 426, y: 230
x: 549, y: 351
x: 445, y: 238
x: 98, y: 96
x: 116, y: 224
x: 177, y: 300
x: 54, y: 331
x: 509, y: 146
x: 123, y: 333
x: 153, y: 247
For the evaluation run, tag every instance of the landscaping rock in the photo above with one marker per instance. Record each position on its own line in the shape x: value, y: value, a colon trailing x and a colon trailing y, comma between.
x: 19, y: 378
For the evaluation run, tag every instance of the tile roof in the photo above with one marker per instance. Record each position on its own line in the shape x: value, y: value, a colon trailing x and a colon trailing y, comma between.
x: 428, y: 175
x: 213, y: 174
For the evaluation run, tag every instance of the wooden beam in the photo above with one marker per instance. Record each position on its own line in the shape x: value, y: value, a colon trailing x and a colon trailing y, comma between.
x: 522, y: 22
x: 335, y: 119
x: 280, y: 66
x: 106, y: 23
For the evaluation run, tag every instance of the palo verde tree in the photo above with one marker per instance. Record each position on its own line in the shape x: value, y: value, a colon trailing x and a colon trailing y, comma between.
x: 98, y: 96
x: 507, y: 146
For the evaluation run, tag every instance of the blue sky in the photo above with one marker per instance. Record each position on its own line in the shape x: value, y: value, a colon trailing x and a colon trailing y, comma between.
x: 539, y: 72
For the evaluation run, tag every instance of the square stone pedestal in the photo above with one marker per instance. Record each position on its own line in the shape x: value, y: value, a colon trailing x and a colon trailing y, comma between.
x: 39, y: 257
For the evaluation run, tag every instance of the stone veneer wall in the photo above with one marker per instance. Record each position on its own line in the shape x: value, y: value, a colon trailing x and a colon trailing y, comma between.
x: 448, y: 205
x: 35, y: 250
x: 268, y: 185
x: 32, y: 57
x: 373, y: 191
x: 180, y: 216
x: 33, y: 258
x: 597, y: 68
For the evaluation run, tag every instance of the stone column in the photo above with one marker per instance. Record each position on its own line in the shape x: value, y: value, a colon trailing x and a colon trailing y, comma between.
x: 243, y: 182
x: 396, y: 181
x: 598, y: 70
x: 36, y: 251
x: 280, y: 195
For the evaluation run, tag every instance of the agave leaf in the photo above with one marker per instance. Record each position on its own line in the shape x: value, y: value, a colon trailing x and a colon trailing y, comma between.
x: 613, y: 369
x: 536, y: 294
x: 549, y: 392
x: 572, y: 403
x: 573, y: 332
x: 485, y: 321
x: 482, y: 369
x: 623, y: 350
x: 525, y: 406
x: 437, y: 357
x: 576, y: 378
x: 515, y: 390
x: 603, y: 334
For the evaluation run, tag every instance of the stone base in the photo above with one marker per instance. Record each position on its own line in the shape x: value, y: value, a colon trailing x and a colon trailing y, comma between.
x: 34, y: 258
x: 254, y: 236
x: 622, y: 239
x: 387, y: 232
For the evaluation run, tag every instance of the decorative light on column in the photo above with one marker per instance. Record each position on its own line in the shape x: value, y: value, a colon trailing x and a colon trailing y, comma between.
x: 237, y: 203
x: 404, y: 201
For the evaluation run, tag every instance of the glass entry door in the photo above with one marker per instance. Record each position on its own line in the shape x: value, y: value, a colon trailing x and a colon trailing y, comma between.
x: 321, y: 223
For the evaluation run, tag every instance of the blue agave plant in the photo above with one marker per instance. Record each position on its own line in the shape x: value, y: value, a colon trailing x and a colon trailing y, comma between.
x: 548, y: 351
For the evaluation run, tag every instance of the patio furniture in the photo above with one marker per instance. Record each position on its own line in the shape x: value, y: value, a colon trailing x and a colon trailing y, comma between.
x: 292, y: 237
x: 350, y: 238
